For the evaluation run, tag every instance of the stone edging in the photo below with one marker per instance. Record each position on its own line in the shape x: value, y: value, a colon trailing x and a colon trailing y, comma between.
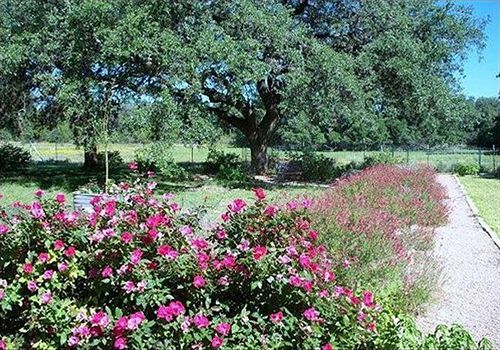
x: 494, y: 237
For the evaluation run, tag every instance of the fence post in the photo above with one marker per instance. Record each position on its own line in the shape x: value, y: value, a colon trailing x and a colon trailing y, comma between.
x: 407, y: 156
x: 494, y: 160
x: 192, y: 154
x: 428, y: 154
x: 479, y: 158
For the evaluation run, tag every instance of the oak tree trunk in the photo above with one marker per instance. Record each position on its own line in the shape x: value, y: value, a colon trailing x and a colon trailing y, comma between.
x: 90, y: 157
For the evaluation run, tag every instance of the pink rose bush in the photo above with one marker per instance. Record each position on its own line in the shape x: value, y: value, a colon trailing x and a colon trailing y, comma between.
x: 139, y: 272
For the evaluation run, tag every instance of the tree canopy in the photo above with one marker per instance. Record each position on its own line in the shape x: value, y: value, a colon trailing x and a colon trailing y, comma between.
x: 306, y: 72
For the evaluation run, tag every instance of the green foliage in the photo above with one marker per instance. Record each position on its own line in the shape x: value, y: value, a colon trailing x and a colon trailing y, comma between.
x: 226, y: 166
x: 380, y: 158
x: 158, y: 157
x: 316, y: 167
x: 13, y: 157
x: 463, y: 169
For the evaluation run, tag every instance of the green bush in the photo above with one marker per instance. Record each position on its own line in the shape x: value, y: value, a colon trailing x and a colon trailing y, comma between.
x: 13, y: 157
x: 158, y: 157
x: 463, y: 169
x: 497, y: 173
x: 316, y: 167
x: 225, y: 166
x: 115, y: 160
x: 380, y: 158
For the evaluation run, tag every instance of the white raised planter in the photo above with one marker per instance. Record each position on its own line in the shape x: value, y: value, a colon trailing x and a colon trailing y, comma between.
x: 81, y: 201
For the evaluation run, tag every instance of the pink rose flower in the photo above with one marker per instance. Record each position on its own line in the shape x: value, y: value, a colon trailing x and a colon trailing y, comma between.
x: 120, y: 343
x: 60, y: 198
x: 311, y: 314
x: 46, y: 298
x: 198, y: 281
x: 327, y: 346
x: 237, y: 205
x: 28, y: 268
x: 259, y: 252
x: 135, y: 320
x: 43, y: 257
x: 136, y: 256
x: 133, y: 166
x: 126, y: 237
x: 276, y: 317
x: 107, y: 272
x: 37, y: 210
x: 217, y: 342
x: 259, y: 193
x: 39, y: 193
x: 223, y: 328
x: 201, y: 321
x: 58, y: 244
x: 271, y: 210
x: 4, y: 229
x: 32, y: 287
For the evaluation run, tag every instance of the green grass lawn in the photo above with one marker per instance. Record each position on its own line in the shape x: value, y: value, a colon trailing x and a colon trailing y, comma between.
x: 485, y: 194
x: 67, y: 178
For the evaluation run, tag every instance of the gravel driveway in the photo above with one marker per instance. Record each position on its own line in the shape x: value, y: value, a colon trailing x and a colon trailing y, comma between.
x: 469, y: 291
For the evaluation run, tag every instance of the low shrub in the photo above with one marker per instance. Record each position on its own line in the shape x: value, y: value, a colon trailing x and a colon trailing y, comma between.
x: 366, y: 220
x: 497, y: 173
x: 225, y: 166
x: 316, y: 167
x: 158, y: 157
x: 380, y: 158
x: 140, y: 272
x: 463, y: 169
x: 13, y: 157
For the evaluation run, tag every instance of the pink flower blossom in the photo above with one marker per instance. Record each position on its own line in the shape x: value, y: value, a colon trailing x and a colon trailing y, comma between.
x: 167, y: 252
x: 221, y: 234
x: 223, y: 328
x: 37, y: 210
x: 368, y: 299
x: 32, y: 287
x: 371, y: 327
x: 277, y: 317
x: 110, y: 209
x: 271, y: 210
x: 58, y: 244
x: 107, y: 272
x: 186, y: 230
x: 47, y: 275
x: 43, y: 258
x: 327, y: 346
x: 39, y: 193
x: 217, y: 342
x: 63, y: 266
x: 60, y: 198
x: 4, y: 229
x: 136, y: 256
x: 311, y: 314
x: 73, y: 341
x: 28, y: 268
x: 259, y: 193
x: 133, y: 166
x: 237, y: 205
x: 126, y: 237
x: 201, y: 321
x: 129, y: 287
x: 198, y: 281
x: 46, y: 298
x: 100, y: 319
x: 135, y: 320
x: 259, y: 252
x: 70, y: 252
x: 120, y: 343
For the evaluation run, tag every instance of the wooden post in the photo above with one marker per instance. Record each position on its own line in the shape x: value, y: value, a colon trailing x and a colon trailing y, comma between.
x: 479, y: 158
x: 494, y: 160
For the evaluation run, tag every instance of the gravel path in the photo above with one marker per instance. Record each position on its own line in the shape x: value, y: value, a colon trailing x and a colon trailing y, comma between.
x: 470, y: 283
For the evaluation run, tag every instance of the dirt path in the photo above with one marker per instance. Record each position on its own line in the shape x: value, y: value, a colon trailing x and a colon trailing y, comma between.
x: 470, y: 285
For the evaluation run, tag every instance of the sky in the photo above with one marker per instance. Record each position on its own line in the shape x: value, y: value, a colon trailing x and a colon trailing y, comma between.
x: 480, y: 75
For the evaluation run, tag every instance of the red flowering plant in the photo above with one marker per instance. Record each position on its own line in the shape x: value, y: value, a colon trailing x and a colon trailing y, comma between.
x: 140, y: 272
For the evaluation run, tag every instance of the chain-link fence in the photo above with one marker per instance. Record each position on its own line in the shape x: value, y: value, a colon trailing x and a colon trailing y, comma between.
x: 443, y: 158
